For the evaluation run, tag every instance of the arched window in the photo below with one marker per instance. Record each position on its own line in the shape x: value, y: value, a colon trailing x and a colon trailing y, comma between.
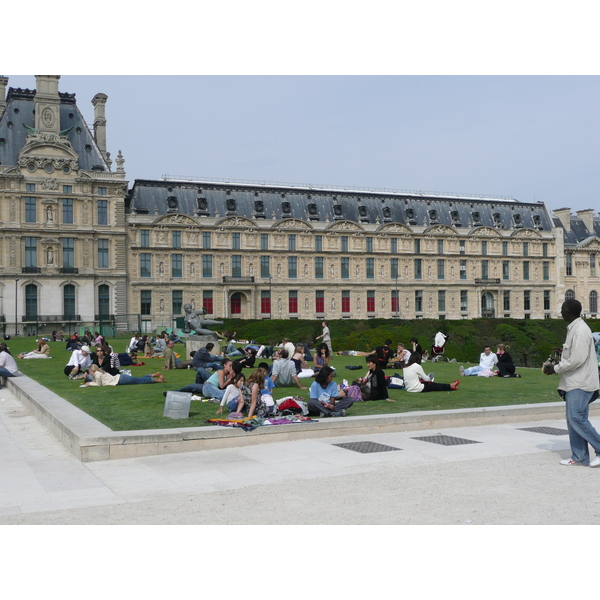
x: 236, y: 303
x: 31, y: 300
x: 103, y: 300
x: 593, y: 302
x: 570, y: 295
x: 69, y: 301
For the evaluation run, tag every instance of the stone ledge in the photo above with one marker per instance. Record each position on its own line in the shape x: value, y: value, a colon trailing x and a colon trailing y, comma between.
x: 90, y: 440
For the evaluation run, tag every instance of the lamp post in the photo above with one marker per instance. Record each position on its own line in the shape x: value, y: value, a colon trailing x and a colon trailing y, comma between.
x: 16, y: 305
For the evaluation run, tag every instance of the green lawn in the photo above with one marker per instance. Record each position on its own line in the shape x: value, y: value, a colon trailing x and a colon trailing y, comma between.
x: 141, y: 406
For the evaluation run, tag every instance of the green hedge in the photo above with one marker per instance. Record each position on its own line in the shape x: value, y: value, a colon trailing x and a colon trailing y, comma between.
x: 531, y: 341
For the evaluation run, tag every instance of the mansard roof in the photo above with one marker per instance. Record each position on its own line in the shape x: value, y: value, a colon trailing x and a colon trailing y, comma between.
x: 579, y: 231
x: 19, y: 111
x: 314, y: 204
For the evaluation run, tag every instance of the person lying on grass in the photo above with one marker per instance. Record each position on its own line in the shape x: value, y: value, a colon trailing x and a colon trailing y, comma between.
x: 102, y: 378
x: 415, y: 379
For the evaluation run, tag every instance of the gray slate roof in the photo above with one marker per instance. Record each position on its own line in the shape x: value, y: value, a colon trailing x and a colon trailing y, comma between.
x: 19, y: 110
x: 579, y: 232
x: 256, y: 201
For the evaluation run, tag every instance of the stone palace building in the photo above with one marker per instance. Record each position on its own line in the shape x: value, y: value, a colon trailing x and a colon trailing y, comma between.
x: 78, y: 244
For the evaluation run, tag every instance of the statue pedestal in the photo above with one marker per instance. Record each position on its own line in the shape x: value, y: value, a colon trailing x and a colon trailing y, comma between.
x: 195, y: 342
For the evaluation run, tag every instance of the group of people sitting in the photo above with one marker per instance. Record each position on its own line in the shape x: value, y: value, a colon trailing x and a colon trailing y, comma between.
x: 499, y: 364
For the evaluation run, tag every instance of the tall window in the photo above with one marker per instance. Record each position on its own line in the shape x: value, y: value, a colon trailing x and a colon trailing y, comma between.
x: 393, y: 268
x: 67, y: 210
x: 546, y: 270
x: 145, y: 265
x: 395, y: 304
x: 593, y: 264
x: 30, y: 209
x: 569, y: 295
x: 440, y: 268
x: 265, y: 266
x: 344, y: 242
x: 369, y: 244
x: 370, y: 300
x: 292, y: 243
x: 345, y: 301
x: 103, y: 255
x: 417, y: 246
x: 264, y: 241
x: 506, y: 300
x: 593, y: 301
x: 145, y: 238
x: 176, y: 239
x: 265, y: 302
x: 484, y: 269
x: 31, y: 300
x: 525, y: 248
x: 484, y: 248
x: 505, y: 269
x: 461, y: 247
x: 177, y: 302
x: 207, y: 301
x: 504, y: 248
x: 544, y: 249
x: 370, y: 268
x: 525, y: 270
x: 69, y: 301
x: 236, y: 266
x: 345, y: 267
x: 440, y: 246
x: 292, y: 267
x: 206, y: 240
x: 318, y: 267
x: 569, y: 263
x: 31, y: 252
x: 235, y: 241
x: 318, y: 243
x: 463, y: 269
x: 103, y: 300
x: 146, y: 302
x: 207, y: 264
x: 464, y: 300
x: 68, y: 253
x: 418, y: 300
x: 526, y: 300
x: 177, y: 265
x: 546, y: 299
x: 319, y: 301
x: 235, y: 303
x: 293, y: 301
x: 418, y: 268
x: 102, y: 212
x: 441, y: 301
x: 394, y: 245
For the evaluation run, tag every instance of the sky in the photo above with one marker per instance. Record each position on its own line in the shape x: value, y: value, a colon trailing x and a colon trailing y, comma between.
x: 532, y: 138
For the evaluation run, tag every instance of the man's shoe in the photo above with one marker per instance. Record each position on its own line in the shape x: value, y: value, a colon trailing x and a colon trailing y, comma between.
x: 194, y: 397
x: 569, y: 462
x: 596, y: 461
x: 339, y: 413
x: 430, y: 375
x: 462, y: 371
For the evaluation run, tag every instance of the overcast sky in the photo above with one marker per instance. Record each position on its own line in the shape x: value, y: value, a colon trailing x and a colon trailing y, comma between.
x: 533, y: 138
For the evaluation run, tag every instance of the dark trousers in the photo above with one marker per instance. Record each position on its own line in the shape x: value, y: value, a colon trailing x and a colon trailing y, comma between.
x: 315, y: 407
x: 431, y: 386
x: 506, y: 369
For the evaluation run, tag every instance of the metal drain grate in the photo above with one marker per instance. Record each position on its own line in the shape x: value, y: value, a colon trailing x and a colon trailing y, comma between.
x: 367, y: 447
x: 546, y: 430
x: 445, y: 440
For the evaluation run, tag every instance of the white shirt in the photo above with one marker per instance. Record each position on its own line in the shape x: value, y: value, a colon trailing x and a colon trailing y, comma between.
x: 412, y: 374
x: 578, y: 367
x: 290, y: 348
x: 8, y: 362
x: 79, y: 360
x: 487, y: 361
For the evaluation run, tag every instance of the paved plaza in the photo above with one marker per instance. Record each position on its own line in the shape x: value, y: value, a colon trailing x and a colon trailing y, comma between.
x: 493, y: 474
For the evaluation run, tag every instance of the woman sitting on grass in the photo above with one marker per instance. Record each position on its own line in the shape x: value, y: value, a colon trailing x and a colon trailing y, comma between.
x: 103, y: 379
x: 232, y: 394
x: 505, y: 364
x: 251, y: 401
x: 43, y: 351
x: 415, y: 379
x: 302, y: 368
x: 323, y: 395
x: 321, y: 357
x: 373, y: 385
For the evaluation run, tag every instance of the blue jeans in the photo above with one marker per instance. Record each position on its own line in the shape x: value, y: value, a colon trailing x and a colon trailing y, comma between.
x: 130, y: 380
x: 212, y: 391
x: 232, y: 405
x: 202, y: 375
x: 581, y: 431
x: 473, y: 370
x: 193, y: 388
x: 6, y: 373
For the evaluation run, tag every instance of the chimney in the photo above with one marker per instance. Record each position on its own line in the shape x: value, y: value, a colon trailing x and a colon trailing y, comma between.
x: 99, y: 102
x: 564, y: 214
x: 587, y: 216
x: 47, y: 103
x: 3, y: 84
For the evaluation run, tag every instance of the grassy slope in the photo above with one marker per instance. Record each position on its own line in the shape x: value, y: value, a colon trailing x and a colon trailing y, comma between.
x: 141, y: 406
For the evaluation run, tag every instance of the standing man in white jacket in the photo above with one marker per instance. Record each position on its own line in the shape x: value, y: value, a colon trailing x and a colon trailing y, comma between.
x: 578, y: 385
